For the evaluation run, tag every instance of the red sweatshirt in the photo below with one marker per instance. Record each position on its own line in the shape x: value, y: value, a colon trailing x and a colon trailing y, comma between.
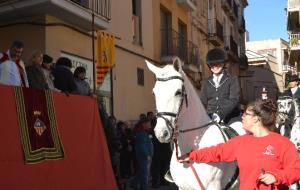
x: 273, y: 153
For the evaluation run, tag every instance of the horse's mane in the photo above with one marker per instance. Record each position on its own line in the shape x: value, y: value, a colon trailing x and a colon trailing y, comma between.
x: 194, y: 102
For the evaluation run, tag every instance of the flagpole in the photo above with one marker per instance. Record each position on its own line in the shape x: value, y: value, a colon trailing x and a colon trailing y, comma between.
x: 93, y: 48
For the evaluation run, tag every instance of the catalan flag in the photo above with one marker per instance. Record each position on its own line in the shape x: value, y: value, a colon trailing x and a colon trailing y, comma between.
x: 106, y: 55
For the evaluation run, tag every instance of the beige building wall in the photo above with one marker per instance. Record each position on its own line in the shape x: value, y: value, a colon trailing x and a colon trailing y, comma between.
x: 131, y: 99
x: 33, y: 37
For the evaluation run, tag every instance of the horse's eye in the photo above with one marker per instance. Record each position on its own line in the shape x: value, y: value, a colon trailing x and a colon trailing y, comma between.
x: 178, y: 92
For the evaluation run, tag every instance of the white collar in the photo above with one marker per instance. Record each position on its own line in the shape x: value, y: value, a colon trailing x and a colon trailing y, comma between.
x: 294, y: 89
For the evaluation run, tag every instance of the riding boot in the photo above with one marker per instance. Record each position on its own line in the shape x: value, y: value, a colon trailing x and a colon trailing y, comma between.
x: 169, y: 177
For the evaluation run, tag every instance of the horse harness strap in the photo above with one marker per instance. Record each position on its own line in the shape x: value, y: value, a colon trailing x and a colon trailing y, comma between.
x: 195, y: 128
x: 226, y: 132
x: 190, y: 165
x: 171, y: 114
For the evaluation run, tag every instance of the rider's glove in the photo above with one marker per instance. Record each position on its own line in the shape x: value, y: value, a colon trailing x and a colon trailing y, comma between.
x: 216, y: 118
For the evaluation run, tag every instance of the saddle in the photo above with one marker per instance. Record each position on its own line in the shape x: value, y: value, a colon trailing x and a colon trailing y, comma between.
x: 227, y: 130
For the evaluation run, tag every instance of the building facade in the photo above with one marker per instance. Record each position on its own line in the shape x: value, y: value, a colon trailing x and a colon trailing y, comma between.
x: 293, y: 28
x: 156, y: 30
x: 268, y: 64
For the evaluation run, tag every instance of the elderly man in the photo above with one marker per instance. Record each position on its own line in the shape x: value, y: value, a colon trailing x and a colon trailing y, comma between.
x: 12, y: 69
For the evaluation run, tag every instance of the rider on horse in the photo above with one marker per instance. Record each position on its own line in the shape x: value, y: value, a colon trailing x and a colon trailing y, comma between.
x: 220, y: 93
x: 293, y: 91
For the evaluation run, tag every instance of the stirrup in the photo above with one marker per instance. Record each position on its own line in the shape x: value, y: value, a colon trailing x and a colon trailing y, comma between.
x: 168, y: 177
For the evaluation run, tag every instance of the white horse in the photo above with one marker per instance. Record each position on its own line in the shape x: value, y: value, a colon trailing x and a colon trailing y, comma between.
x: 182, y: 117
x: 295, y: 132
x: 289, y: 119
x: 289, y: 122
x: 286, y: 112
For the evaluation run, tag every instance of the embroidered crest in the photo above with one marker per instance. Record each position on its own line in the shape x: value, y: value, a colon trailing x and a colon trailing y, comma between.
x: 269, y: 150
x: 39, y: 127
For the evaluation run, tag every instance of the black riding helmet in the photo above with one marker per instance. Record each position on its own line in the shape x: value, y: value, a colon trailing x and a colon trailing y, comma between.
x: 216, y: 56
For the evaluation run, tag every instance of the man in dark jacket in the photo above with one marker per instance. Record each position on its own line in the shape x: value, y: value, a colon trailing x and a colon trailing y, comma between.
x: 293, y: 91
x: 220, y: 93
x: 63, y: 76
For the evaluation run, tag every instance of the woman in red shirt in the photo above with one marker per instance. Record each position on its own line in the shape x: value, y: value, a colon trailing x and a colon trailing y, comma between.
x: 266, y: 159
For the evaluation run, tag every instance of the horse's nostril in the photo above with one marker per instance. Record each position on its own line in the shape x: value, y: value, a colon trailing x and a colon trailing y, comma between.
x: 165, y: 134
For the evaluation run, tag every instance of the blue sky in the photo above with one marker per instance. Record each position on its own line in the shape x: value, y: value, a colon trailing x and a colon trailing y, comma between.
x: 266, y: 19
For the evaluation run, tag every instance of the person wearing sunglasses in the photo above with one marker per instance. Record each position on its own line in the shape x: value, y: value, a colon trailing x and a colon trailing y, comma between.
x: 266, y: 159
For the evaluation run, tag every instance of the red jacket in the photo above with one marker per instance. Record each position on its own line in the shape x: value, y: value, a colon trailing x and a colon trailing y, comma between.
x: 273, y: 153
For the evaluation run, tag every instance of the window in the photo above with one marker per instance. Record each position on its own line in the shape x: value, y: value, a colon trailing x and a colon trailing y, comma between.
x: 137, y: 22
x: 182, y: 39
x: 140, y: 76
x: 165, y: 32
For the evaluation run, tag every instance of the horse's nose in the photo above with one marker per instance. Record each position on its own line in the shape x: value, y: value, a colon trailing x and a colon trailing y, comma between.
x: 165, y: 134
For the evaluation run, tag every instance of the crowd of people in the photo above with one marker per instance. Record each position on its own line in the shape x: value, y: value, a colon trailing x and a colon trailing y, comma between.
x: 41, y: 72
x: 135, y: 152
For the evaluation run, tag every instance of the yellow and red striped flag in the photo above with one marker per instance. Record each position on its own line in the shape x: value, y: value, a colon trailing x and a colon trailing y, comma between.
x: 106, y: 55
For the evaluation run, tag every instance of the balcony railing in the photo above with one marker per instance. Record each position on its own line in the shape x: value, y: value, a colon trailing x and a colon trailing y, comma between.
x: 286, y: 68
x: 294, y: 39
x: 100, y: 7
x: 175, y: 44
x: 74, y: 12
x: 231, y: 45
x: 241, y: 24
x: 226, y: 4
x: 235, y: 9
x: 189, y: 5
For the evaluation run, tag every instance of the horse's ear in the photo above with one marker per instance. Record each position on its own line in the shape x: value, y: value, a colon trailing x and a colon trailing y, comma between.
x: 177, y: 64
x: 152, y: 67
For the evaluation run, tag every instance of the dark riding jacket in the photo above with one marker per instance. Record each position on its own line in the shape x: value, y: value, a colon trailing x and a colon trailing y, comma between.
x: 222, y: 100
x: 295, y: 95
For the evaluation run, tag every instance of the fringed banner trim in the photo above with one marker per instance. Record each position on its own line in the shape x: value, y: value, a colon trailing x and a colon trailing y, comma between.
x: 53, y: 149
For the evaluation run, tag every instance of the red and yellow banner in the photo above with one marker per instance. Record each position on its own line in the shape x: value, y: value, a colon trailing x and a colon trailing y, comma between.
x: 106, y: 55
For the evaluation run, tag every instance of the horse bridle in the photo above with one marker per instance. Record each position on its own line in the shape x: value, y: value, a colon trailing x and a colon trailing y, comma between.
x: 172, y: 114
x: 287, y: 116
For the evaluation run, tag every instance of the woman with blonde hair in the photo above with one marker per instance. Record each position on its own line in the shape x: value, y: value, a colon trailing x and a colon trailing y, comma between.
x: 35, y: 75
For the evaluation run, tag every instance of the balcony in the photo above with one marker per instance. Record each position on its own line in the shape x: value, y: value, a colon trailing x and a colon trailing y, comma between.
x: 241, y: 24
x: 215, y: 32
x: 226, y: 5
x: 286, y: 68
x: 75, y: 12
x: 231, y: 47
x: 233, y: 13
x: 295, y: 48
x: 244, y: 62
x: 175, y: 44
x: 189, y: 5
x: 294, y: 41
x: 293, y: 5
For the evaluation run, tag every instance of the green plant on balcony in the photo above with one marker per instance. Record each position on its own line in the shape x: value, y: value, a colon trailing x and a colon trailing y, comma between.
x: 294, y: 42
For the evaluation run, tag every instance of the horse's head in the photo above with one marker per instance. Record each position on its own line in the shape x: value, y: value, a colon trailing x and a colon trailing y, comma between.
x: 285, y: 107
x: 169, y: 94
